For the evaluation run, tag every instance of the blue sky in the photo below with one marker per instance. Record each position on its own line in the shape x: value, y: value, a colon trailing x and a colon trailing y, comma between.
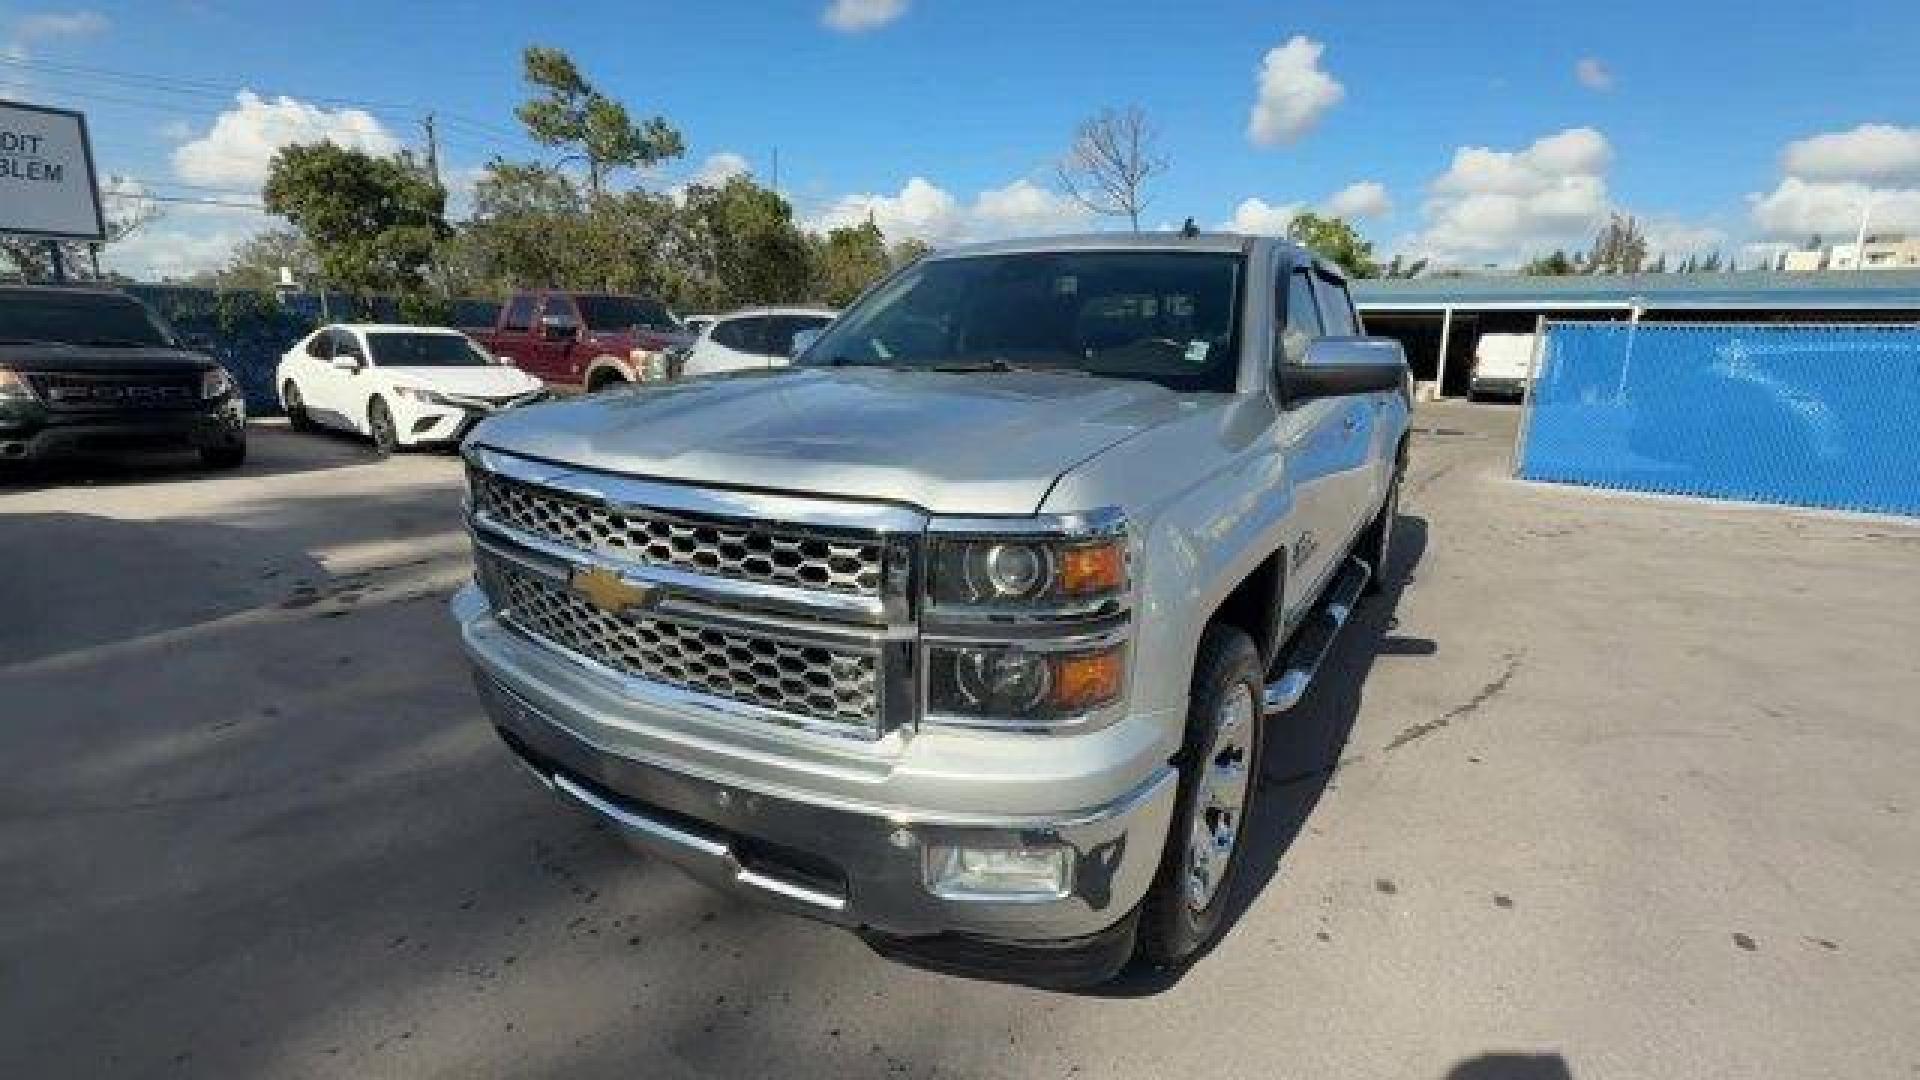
x: 1688, y: 113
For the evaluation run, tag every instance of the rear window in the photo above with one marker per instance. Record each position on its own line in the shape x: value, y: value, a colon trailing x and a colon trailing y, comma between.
x: 611, y: 313
x: 78, y: 318
x: 424, y: 350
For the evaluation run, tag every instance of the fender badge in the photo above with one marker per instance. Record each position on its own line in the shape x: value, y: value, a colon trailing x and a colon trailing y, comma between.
x: 609, y: 591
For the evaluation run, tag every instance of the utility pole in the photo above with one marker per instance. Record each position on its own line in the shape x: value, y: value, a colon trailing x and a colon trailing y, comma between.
x: 433, y: 150
x: 776, y: 170
x: 56, y: 262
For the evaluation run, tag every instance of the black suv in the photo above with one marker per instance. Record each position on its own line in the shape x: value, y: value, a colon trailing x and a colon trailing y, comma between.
x: 94, y: 370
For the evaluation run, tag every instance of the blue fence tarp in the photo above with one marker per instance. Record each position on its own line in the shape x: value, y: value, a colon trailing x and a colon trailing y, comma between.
x: 1823, y: 416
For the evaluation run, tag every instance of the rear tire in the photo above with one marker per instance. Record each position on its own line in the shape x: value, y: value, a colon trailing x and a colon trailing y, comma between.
x: 296, y: 407
x: 604, y: 380
x: 1376, y: 544
x: 1185, y: 909
x: 386, y: 440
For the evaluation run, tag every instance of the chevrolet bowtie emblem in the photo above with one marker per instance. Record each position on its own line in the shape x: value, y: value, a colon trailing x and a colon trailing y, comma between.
x: 609, y: 591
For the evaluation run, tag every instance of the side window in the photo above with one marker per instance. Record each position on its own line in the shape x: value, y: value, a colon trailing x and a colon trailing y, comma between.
x: 346, y: 344
x: 560, y: 306
x: 778, y: 340
x: 320, y: 345
x: 519, y: 314
x: 740, y: 335
x: 1336, y: 307
x: 1303, y: 319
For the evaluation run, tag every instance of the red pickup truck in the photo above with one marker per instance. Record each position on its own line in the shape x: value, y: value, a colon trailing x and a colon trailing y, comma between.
x: 585, y: 340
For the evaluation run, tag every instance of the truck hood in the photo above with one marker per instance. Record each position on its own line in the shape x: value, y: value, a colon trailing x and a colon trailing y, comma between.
x: 956, y: 443
x: 100, y: 358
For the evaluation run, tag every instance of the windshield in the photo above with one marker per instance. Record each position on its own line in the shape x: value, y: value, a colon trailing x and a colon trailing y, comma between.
x: 79, y: 318
x: 425, y: 350
x: 609, y: 313
x: 1160, y: 316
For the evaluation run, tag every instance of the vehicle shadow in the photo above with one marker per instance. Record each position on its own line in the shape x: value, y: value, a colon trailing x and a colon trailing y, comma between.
x: 273, y: 450
x: 1304, y: 746
x: 1512, y: 1067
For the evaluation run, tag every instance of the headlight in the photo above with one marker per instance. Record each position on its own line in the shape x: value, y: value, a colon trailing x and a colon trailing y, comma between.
x: 15, y: 387
x: 420, y: 394
x: 1027, y: 572
x: 215, y: 383
x: 1019, y: 687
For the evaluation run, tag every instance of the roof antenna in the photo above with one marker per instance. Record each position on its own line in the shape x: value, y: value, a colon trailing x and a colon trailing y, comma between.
x: 1189, y: 230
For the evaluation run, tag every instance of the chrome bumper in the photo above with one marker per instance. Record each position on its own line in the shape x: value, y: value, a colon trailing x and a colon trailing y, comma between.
x: 854, y: 867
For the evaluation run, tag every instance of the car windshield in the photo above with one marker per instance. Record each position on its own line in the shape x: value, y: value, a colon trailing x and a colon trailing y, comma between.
x: 1167, y: 317
x: 605, y: 313
x: 425, y: 350
x: 79, y: 318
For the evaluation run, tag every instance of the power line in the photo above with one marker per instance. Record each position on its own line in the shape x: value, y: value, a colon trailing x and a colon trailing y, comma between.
x: 140, y: 196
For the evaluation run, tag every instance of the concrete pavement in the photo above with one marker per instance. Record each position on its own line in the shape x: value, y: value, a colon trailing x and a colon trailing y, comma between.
x: 1608, y: 787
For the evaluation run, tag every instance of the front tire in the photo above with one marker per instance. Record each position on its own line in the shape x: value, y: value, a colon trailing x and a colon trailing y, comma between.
x: 297, y: 415
x: 603, y: 381
x: 1206, y: 846
x: 231, y: 456
x: 386, y: 438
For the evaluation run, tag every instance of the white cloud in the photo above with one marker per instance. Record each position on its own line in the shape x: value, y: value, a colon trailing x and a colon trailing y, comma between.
x: 854, y: 16
x: 1258, y: 217
x: 1829, y: 178
x: 180, y: 240
x: 236, y: 150
x: 1294, y: 93
x: 719, y: 168
x: 1593, y: 74
x: 1678, y: 239
x: 1870, y: 153
x: 1504, y: 204
x: 925, y: 211
x: 1364, y: 199
x: 59, y: 24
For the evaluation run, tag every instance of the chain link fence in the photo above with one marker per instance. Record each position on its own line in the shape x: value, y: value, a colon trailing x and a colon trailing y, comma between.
x: 1806, y: 415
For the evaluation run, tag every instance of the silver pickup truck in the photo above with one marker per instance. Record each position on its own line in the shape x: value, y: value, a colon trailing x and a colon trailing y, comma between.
x: 963, y: 631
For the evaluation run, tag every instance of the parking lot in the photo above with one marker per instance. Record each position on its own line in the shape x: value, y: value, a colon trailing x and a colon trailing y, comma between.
x: 1605, y: 786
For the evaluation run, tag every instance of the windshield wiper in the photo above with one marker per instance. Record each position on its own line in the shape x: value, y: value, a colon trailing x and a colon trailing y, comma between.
x: 999, y: 363
x: 125, y: 342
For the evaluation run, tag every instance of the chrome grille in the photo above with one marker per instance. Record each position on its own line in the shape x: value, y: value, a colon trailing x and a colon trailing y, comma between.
x: 746, y: 552
x: 807, y: 681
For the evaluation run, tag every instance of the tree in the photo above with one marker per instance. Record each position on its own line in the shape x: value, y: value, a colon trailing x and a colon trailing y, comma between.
x: 1112, y: 158
x: 747, y: 246
x: 1621, y: 247
x: 1710, y: 264
x: 568, y: 112
x: 1554, y: 265
x: 1397, y: 269
x: 255, y: 263
x: 849, y: 260
x: 373, y: 222
x: 1332, y: 238
x: 1659, y: 265
x: 907, y: 251
x: 528, y: 228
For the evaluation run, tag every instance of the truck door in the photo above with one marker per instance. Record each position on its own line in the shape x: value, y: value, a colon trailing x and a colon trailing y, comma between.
x: 512, y: 339
x: 1360, y: 481
x: 556, y: 338
x: 1313, y: 446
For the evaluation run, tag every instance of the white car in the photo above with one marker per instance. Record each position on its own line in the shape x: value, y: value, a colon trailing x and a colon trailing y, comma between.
x: 752, y: 338
x: 399, y: 385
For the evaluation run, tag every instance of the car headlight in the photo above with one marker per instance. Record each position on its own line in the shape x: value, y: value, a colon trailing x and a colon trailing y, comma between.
x: 1019, y: 686
x: 15, y: 387
x: 1022, y: 572
x: 215, y: 383
x: 421, y: 395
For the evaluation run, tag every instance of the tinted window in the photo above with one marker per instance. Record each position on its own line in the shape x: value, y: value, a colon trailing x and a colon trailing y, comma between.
x: 780, y: 329
x: 1336, y: 310
x: 559, y: 306
x: 519, y: 314
x: 1303, y: 319
x: 1168, y: 317
x: 79, y: 318
x: 424, y: 350
x: 345, y: 343
x: 740, y: 335
x: 613, y: 313
x: 320, y: 345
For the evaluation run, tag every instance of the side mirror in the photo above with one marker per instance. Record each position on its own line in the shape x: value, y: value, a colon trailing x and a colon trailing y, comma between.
x: 555, y: 328
x: 803, y: 340
x: 1338, y: 367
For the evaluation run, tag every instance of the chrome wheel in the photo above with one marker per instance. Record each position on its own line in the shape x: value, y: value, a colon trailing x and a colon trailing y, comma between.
x: 1226, y: 772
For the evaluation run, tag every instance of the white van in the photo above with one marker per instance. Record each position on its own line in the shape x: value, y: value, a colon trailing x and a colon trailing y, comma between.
x: 1500, y: 365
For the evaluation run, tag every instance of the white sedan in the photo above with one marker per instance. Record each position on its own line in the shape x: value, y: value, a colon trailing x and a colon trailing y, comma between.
x: 751, y: 338
x: 399, y: 385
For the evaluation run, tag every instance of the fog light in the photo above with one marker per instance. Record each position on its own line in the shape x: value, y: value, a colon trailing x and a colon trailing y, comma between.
x: 999, y: 873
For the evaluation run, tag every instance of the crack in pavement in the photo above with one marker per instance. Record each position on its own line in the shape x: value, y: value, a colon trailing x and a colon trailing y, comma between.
x: 1485, y: 694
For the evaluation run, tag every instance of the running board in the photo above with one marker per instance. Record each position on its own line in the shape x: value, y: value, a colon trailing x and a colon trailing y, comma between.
x: 1315, y: 638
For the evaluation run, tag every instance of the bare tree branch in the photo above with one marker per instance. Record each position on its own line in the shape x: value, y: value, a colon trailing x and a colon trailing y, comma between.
x: 1113, y: 156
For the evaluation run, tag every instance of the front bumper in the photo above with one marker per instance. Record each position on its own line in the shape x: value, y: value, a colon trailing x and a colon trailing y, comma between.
x: 33, y: 432
x: 432, y: 423
x: 856, y: 865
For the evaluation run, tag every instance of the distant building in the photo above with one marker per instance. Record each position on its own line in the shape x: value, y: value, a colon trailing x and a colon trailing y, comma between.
x: 1802, y: 262
x: 1883, y: 253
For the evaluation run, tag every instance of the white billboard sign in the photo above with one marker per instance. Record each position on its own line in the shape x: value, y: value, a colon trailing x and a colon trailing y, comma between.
x: 46, y: 174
